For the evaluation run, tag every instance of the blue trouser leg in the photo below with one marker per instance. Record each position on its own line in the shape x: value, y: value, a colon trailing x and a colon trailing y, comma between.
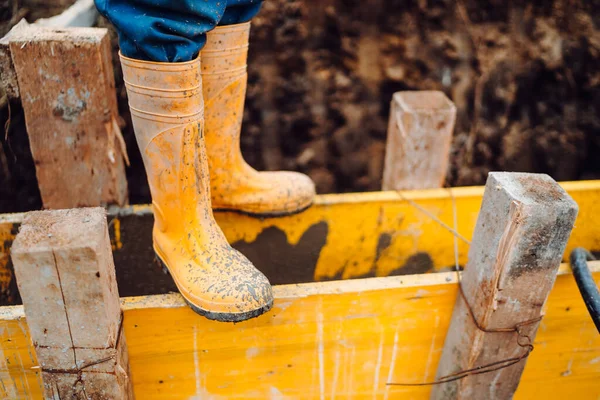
x: 239, y: 11
x: 171, y: 30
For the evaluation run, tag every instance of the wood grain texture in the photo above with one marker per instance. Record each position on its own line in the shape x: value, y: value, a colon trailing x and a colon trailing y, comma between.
x: 67, y: 89
x: 343, y: 339
x: 418, y: 143
x: 520, y: 236
x: 66, y: 278
x: 81, y: 14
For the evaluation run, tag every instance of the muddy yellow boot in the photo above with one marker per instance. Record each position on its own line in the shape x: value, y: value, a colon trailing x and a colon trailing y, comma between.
x: 168, y: 117
x: 236, y: 186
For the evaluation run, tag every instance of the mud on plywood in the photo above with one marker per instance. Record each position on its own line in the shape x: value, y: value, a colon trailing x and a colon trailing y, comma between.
x: 522, y: 74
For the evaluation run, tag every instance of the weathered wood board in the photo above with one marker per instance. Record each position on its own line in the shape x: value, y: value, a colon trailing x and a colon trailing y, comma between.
x: 343, y: 339
x: 66, y: 277
x: 67, y: 89
x: 520, y: 236
x: 342, y: 236
x: 418, y: 140
x: 81, y: 14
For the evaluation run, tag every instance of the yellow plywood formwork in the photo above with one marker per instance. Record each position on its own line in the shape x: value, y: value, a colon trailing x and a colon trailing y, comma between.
x: 327, y: 339
x: 8, y: 232
x: 343, y: 339
x: 342, y: 236
x: 379, y: 233
x: 374, y: 234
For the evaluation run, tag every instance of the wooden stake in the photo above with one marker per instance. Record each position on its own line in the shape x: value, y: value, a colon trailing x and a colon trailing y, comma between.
x: 81, y: 14
x: 66, y: 277
x: 418, y: 144
x: 520, y: 236
x: 68, y: 94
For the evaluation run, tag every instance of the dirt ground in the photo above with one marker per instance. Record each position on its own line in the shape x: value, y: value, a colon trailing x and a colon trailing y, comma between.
x: 523, y: 75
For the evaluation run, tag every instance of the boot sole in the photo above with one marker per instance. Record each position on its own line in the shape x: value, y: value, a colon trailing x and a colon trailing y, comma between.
x: 265, y: 214
x: 217, y: 316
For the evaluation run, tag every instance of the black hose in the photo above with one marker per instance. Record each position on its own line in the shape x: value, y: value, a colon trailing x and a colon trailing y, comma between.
x: 585, y: 282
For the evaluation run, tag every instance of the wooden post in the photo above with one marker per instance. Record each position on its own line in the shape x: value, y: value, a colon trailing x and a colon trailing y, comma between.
x: 66, y: 277
x: 418, y: 143
x: 519, y: 239
x: 67, y: 90
x: 81, y: 14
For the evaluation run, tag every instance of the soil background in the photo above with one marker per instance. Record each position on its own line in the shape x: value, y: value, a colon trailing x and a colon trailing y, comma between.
x: 524, y: 76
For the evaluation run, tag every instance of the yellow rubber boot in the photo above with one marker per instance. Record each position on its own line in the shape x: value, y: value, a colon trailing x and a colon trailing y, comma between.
x: 236, y: 186
x: 168, y: 118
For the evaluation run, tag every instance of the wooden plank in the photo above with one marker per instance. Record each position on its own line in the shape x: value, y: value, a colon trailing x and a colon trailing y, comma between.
x: 352, y: 235
x: 331, y: 339
x: 520, y: 236
x: 68, y: 94
x: 341, y: 236
x: 66, y: 277
x: 19, y: 377
x: 418, y: 143
x: 81, y: 14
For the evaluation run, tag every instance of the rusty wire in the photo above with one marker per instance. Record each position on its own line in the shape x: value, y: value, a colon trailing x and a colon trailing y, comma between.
x: 523, y: 340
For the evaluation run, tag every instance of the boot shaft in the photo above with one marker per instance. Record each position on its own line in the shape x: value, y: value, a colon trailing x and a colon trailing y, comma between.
x: 162, y: 95
x: 167, y: 112
x: 224, y: 80
x: 224, y: 56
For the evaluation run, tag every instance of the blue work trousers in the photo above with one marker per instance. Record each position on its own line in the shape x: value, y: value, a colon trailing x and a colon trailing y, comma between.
x: 171, y: 30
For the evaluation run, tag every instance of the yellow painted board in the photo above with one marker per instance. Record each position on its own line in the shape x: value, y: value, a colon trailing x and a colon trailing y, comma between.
x: 342, y: 236
x: 342, y: 339
x: 7, y: 234
x: 383, y: 233
x: 17, y: 358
